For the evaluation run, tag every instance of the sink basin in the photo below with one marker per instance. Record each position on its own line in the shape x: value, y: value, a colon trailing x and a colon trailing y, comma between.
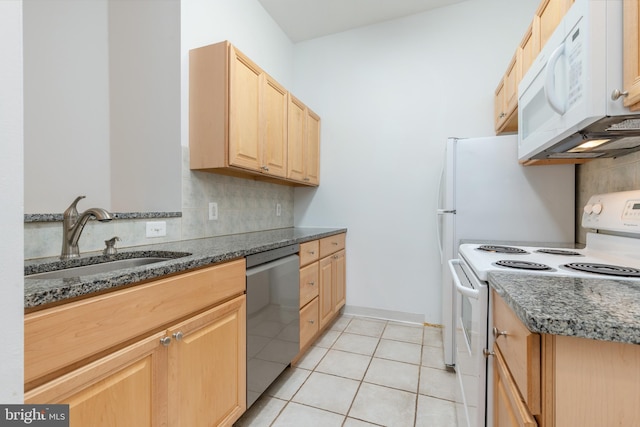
x: 104, y: 267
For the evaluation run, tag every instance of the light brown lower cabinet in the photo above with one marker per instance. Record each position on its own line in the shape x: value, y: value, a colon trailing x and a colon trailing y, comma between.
x: 124, y: 388
x: 510, y: 409
x: 332, y: 267
x: 191, y: 372
x: 322, y: 286
x: 557, y: 381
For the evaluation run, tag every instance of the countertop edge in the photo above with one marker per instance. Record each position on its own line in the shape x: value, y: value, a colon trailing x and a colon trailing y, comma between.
x: 40, y: 293
x: 584, y: 308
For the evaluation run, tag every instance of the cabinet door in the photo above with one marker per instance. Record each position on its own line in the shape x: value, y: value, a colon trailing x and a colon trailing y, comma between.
x: 511, y: 80
x: 521, y: 351
x: 499, y: 114
x: 244, y: 112
x: 631, y: 46
x: 509, y: 408
x: 207, y: 367
x: 547, y: 18
x: 326, y: 301
x: 126, y: 388
x: 296, y: 142
x: 275, y: 128
x: 308, y: 283
x: 312, y: 149
x: 308, y: 322
x: 340, y: 266
x: 528, y: 51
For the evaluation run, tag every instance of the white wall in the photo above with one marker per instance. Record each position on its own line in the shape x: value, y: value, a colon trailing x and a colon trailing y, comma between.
x: 11, y: 214
x: 102, y: 91
x: 389, y: 95
x: 66, y: 77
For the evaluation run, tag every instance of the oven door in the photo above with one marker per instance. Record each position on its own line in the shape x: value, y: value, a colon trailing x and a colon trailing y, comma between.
x: 472, y: 303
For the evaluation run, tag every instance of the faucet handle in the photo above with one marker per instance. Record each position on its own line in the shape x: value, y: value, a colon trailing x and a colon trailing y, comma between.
x: 111, y: 248
x: 72, y: 211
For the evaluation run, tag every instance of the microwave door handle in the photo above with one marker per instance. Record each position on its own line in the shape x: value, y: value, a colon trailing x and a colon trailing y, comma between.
x: 469, y: 292
x: 553, y: 100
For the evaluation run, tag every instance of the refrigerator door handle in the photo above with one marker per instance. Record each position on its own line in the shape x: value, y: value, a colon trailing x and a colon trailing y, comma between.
x: 445, y: 211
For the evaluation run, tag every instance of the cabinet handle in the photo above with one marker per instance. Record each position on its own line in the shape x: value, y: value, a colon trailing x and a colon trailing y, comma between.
x: 311, y: 321
x: 178, y: 335
x: 497, y: 333
x: 486, y: 352
x: 617, y: 94
x: 312, y: 252
x: 265, y: 168
x: 502, y: 115
x: 334, y: 243
x: 165, y: 341
x: 306, y: 179
x: 311, y: 283
x: 336, y: 257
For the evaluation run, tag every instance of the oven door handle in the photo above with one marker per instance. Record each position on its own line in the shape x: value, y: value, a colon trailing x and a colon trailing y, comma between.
x: 469, y: 292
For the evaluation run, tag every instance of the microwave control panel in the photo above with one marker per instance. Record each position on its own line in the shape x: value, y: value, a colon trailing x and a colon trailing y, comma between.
x: 575, y: 62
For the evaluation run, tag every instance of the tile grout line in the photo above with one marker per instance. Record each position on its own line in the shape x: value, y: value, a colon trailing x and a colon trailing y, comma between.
x: 342, y: 332
x: 363, y: 376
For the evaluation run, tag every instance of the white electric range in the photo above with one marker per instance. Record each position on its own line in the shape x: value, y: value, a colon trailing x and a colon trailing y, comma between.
x: 612, y: 251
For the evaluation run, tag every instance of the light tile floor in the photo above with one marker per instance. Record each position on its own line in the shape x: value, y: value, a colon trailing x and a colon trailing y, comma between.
x: 363, y: 372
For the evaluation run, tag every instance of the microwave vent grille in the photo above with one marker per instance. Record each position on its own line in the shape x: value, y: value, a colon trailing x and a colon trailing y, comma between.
x: 629, y: 124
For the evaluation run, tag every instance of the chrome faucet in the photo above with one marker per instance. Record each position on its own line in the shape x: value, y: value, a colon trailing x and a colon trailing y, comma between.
x: 73, y: 224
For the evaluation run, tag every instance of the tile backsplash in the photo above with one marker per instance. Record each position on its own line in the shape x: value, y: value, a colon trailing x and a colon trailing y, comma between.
x: 244, y: 205
x: 604, y: 176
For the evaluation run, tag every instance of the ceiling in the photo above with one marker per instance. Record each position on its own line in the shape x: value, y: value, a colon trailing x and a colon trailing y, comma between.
x: 307, y: 19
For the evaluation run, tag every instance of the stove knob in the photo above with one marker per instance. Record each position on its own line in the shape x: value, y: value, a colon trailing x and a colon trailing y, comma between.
x: 597, y: 208
x: 588, y: 208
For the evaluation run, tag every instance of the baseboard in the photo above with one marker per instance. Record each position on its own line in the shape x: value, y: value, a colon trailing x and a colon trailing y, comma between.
x: 377, y: 313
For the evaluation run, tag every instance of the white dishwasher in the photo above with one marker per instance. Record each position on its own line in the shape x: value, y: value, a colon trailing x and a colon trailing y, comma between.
x: 273, y: 316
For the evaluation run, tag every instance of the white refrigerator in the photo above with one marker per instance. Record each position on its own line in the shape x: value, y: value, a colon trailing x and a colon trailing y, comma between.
x: 486, y: 195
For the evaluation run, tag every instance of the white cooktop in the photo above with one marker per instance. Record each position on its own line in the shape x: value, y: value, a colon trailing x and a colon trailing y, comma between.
x: 600, y: 249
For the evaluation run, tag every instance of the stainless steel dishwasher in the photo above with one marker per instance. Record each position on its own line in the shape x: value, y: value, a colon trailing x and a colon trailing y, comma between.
x: 273, y: 316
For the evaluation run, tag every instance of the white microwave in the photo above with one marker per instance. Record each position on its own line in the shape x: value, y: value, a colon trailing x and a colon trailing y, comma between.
x: 568, y: 107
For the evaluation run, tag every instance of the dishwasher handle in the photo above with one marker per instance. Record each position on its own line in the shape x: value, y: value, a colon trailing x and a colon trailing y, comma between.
x: 262, y: 267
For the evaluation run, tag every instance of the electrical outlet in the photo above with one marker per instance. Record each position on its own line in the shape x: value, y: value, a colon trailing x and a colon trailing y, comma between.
x: 278, y: 209
x: 156, y: 228
x: 213, y: 211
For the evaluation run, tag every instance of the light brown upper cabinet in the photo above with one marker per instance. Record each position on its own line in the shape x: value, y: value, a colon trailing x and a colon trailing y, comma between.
x: 631, y: 18
x: 546, y: 19
x: 527, y: 51
x: 238, y: 117
x: 304, y: 145
x: 506, y: 99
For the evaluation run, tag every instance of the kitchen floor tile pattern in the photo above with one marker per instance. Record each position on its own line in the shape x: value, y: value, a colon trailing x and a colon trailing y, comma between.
x: 363, y: 372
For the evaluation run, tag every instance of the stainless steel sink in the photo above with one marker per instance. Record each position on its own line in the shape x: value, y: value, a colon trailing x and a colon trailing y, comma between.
x: 104, y: 267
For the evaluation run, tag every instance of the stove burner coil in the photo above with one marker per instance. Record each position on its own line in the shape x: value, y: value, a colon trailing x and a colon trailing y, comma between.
x: 502, y: 249
x: 558, y: 252
x: 604, y: 269
x: 523, y: 265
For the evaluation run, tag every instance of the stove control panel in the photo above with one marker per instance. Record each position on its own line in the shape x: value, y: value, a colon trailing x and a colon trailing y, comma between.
x: 613, y: 212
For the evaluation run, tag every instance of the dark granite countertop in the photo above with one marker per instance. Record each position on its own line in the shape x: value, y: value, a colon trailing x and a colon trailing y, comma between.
x: 600, y: 309
x: 201, y: 252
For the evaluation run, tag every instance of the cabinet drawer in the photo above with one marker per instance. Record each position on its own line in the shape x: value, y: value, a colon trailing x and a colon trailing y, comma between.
x: 332, y: 244
x: 308, y: 322
x: 309, y: 252
x: 78, y: 330
x: 521, y: 351
x: 508, y: 408
x: 308, y: 283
